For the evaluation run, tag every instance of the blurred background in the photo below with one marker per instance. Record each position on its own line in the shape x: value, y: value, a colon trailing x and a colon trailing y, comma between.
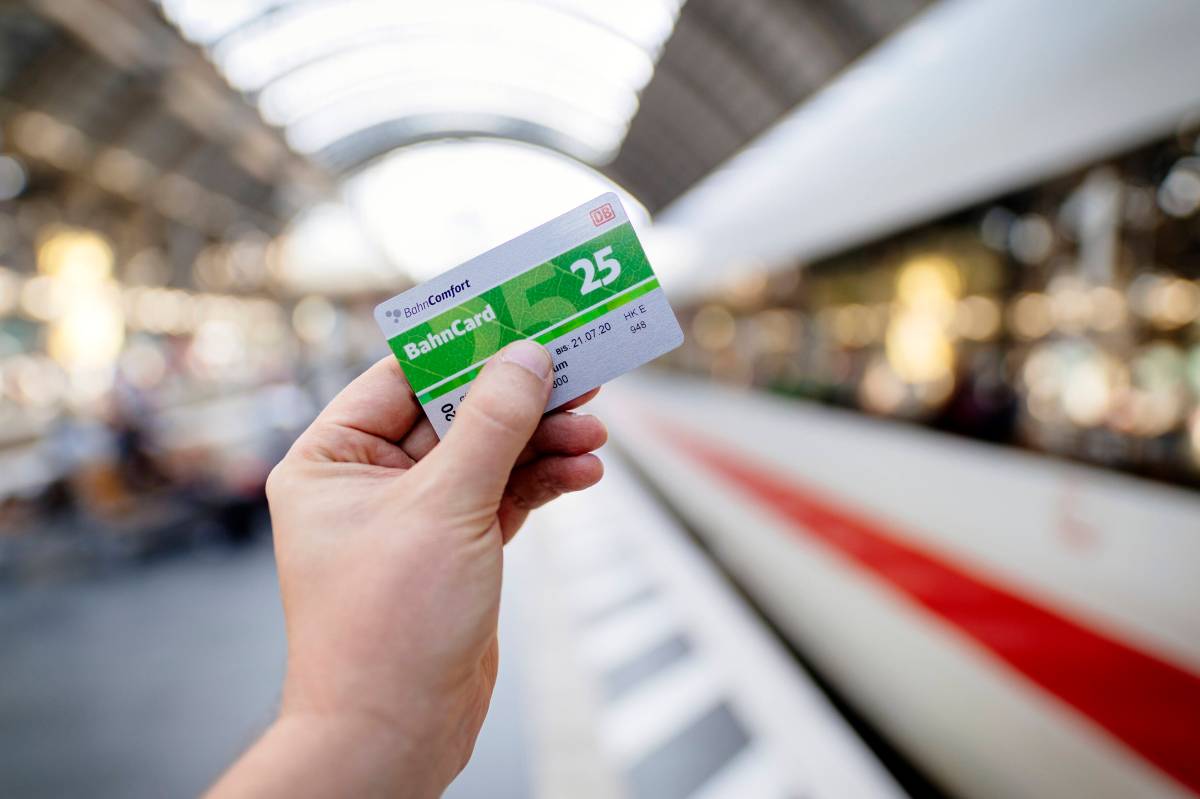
x: 913, y: 511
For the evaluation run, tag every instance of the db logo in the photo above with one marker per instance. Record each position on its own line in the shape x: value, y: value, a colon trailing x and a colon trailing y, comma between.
x: 603, y: 214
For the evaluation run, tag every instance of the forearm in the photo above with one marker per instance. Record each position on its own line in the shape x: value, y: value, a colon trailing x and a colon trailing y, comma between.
x: 316, y: 756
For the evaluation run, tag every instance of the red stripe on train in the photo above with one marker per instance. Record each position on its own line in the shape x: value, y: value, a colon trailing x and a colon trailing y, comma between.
x: 1147, y: 703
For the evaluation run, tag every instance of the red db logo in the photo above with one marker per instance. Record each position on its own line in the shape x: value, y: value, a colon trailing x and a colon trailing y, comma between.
x: 603, y: 214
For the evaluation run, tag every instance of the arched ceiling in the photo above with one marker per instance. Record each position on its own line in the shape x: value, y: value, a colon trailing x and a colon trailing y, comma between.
x: 350, y: 80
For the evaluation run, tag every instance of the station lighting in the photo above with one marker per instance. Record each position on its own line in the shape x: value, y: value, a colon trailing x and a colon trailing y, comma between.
x: 122, y: 172
x: 1194, y: 435
x: 778, y: 330
x: 1089, y: 386
x: 1030, y: 316
x: 1031, y: 239
x: 977, y: 318
x: 930, y: 283
x: 1175, y: 303
x: 143, y: 364
x: 9, y: 291
x: 918, y: 344
x: 12, y: 178
x: 1179, y: 194
x: 714, y: 328
x: 39, y: 300
x: 44, y: 137
x: 1070, y: 304
x: 74, y: 254
x: 918, y: 348
x: 89, y: 335
x: 749, y: 289
x: 87, y: 329
x: 856, y: 325
x: 314, y: 319
x: 882, y: 391
x: 1192, y: 370
x: 218, y: 346
x: 1109, y: 309
x: 35, y: 382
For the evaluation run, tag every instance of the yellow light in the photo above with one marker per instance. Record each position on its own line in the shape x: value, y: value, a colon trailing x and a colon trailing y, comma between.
x: 776, y: 330
x: 1109, y: 309
x: 930, y: 281
x: 1177, y: 303
x: 1070, y: 304
x: 121, y: 171
x: 75, y: 254
x: 918, y: 348
x: 76, y: 291
x: 749, y: 290
x: 854, y: 325
x: 1031, y: 316
x: 88, y: 335
x: 977, y: 318
x: 882, y: 391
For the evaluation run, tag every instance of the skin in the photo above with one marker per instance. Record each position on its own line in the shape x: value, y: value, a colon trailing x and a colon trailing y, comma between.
x: 390, y: 551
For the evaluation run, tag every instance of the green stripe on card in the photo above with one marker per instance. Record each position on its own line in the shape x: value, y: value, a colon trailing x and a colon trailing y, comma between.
x: 550, y: 334
x: 436, y: 353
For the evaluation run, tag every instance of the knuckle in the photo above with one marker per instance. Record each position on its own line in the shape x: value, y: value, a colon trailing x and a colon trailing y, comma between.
x: 277, y: 480
x: 539, y: 490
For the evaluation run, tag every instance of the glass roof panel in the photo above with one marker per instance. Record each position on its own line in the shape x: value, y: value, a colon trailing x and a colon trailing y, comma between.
x: 436, y: 61
x: 258, y: 53
x: 205, y: 21
x: 328, y: 70
x: 324, y: 128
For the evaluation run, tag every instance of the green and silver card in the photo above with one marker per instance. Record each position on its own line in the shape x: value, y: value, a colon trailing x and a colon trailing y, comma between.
x: 580, y: 285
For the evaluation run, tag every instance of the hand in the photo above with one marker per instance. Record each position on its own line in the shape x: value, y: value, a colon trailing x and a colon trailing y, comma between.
x: 389, y: 548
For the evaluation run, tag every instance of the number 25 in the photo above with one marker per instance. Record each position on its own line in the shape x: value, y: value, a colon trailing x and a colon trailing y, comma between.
x: 603, y: 261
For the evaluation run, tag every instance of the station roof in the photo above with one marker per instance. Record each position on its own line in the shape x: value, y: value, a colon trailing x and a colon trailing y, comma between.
x: 654, y: 93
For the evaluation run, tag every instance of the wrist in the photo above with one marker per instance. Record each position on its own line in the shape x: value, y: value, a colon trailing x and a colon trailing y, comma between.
x: 359, y: 755
x: 416, y: 728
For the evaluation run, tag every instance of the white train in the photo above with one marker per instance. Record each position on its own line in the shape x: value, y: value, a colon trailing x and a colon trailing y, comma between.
x: 1017, y: 625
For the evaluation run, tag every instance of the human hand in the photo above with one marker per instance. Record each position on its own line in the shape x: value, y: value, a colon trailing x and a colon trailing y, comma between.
x: 389, y: 549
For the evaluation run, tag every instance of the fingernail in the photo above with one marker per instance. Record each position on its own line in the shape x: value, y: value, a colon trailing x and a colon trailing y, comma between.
x: 529, y: 356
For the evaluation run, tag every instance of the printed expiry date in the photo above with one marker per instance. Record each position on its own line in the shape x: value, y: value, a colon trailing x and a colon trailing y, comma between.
x: 588, y: 335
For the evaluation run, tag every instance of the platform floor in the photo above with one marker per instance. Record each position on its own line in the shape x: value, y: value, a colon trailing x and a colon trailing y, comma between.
x: 629, y: 669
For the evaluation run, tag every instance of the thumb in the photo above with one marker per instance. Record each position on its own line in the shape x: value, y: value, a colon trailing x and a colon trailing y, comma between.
x: 494, y: 423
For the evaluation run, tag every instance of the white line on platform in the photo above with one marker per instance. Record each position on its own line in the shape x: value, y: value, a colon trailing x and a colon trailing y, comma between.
x: 750, y: 774
x: 661, y: 706
x: 607, y: 588
x: 628, y: 633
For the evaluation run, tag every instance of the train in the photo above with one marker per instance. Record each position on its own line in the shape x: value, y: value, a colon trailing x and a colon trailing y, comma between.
x: 1014, y: 624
